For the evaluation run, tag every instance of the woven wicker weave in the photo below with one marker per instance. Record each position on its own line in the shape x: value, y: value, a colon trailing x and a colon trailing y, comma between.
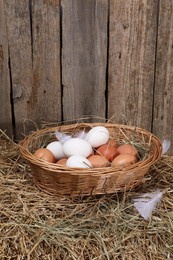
x: 56, y: 179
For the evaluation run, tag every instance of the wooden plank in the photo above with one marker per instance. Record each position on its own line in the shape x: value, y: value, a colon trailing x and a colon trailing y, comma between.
x: 19, y: 39
x: 84, y: 57
x: 45, y: 100
x: 35, y: 62
x: 5, y: 111
x: 163, y: 95
x: 132, y: 43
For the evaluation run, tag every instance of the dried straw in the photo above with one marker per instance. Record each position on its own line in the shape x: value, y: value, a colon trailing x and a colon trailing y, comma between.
x: 35, y: 225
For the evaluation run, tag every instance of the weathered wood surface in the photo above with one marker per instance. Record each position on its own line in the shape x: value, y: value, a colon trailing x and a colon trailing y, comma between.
x: 132, y: 43
x: 19, y: 42
x: 121, y: 69
x: 45, y: 99
x: 84, y: 57
x: 163, y: 92
x: 34, y: 44
x: 5, y: 102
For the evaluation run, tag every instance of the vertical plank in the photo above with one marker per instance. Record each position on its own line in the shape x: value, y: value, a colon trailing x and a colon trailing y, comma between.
x: 163, y: 94
x: 45, y: 99
x: 19, y: 38
x: 84, y: 57
x: 5, y: 111
x: 34, y: 40
x: 132, y: 41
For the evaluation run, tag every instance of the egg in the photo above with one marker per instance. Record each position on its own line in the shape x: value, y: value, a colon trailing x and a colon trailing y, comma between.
x: 62, y: 161
x: 92, y: 153
x: 45, y: 155
x: 109, y: 152
x: 98, y: 161
x: 56, y: 148
x: 77, y: 146
x: 97, y: 136
x: 78, y: 161
x: 124, y: 160
x: 127, y: 149
x: 112, y: 142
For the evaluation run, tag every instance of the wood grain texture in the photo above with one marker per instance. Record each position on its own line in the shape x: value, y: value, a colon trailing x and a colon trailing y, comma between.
x: 5, y: 102
x: 19, y: 40
x: 132, y: 41
x: 84, y: 57
x: 163, y: 92
x: 45, y: 99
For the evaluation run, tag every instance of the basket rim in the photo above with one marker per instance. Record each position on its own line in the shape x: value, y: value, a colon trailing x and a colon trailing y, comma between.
x: 53, y: 167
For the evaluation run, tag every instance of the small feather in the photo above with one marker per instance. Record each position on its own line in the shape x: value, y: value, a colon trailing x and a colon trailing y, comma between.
x: 146, y: 203
x: 62, y: 137
x: 165, y: 146
x: 81, y: 134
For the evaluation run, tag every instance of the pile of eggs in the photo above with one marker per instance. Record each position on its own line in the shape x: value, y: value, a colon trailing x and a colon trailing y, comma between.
x: 93, y: 149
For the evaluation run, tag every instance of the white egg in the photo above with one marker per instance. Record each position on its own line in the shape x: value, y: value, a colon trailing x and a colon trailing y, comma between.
x: 56, y: 148
x: 97, y: 136
x: 77, y: 146
x: 78, y: 161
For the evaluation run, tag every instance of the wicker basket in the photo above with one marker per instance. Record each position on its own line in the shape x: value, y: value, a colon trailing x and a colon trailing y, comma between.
x: 57, y: 180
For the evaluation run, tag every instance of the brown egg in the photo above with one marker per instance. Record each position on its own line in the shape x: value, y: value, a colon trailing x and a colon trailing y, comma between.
x: 112, y: 142
x: 45, y: 155
x: 124, y: 160
x: 62, y: 161
x: 98, y: 161
x: 108, y: 151
x: 127, y: 149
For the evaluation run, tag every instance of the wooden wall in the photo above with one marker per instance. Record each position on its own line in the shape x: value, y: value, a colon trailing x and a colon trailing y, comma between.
x: 62, y: 60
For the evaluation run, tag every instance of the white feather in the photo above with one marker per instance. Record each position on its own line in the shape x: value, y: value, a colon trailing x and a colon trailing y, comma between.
x: 146, y: 203
x: 62, y: 137
x: 81, y: 134
x: 165, y: 146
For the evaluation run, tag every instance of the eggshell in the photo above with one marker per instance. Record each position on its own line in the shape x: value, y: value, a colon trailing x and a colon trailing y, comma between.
x: 77, y: 146
x: 98, y: 161
x: 127, y: 149
x: 112, y: 142
x: 92, y: 153
x: 45, y: 155
x: 109, y: 152
x: 97, y: 136
x: 62, y: 161
x: 56, y: 148
x: 124, y: 160
x: 78, y: 161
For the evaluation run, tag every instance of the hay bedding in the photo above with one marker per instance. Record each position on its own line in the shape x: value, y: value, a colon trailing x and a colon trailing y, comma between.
x: 37, y: 226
